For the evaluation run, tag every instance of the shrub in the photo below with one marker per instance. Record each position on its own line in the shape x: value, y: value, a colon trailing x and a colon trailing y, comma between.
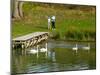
x: 55, y: 35
x: 80, y: 35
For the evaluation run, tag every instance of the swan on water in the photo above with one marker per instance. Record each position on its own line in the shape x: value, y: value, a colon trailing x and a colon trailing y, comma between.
x: 44, y: 49
x: 75, y: 48
x: 34, y: 51
x: 86, y: 47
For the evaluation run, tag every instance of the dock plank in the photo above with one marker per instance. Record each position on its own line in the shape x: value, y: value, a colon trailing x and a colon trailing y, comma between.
x: 28, y: 36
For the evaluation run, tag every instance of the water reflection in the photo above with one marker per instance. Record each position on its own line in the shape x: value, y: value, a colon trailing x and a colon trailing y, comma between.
x: 34, y: 51
x: 51, y: 55
x: 54, y: 56
x: 44, y: 50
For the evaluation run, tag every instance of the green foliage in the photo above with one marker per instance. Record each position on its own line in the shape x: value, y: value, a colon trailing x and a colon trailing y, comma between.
x: 55, y: 35
x: 80, y: 35
x: 77, y: 23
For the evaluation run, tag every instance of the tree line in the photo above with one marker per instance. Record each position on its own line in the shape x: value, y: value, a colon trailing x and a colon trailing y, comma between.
x: 17, y: 6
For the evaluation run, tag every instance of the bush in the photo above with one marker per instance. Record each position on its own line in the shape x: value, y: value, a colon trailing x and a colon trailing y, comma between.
x: 80, y: 35
x: 55, y: 35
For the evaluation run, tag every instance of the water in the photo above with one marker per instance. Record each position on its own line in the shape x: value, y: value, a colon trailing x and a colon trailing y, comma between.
x: 58, y: 57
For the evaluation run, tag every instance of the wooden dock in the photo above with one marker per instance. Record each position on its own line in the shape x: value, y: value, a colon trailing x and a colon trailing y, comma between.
x: 29, y: 40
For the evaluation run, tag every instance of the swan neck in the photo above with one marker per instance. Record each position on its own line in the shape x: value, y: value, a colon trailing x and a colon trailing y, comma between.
x: 37, y: 47
x: 46, y: 46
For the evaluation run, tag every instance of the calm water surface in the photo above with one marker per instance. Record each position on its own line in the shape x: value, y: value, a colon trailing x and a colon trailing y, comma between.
x: 58, y: 57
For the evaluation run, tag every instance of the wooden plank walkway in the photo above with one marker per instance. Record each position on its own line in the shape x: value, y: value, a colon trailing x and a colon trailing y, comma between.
x: 29, y: 39
x: 29, y: 36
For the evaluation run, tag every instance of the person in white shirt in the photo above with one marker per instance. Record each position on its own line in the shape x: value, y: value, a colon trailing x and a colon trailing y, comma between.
x: 53, y: 22
x: 49, y: 20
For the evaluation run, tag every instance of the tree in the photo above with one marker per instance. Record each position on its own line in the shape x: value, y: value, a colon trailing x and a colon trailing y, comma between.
x: 17, y: 12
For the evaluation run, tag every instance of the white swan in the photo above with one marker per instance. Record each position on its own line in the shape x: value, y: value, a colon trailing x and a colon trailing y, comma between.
x: 87, y: 47
x: 75, y: 48
x: 34, y: 51
x: 44, y: 49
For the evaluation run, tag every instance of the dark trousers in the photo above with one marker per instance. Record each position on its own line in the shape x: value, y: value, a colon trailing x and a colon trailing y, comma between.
x: 53, y: 25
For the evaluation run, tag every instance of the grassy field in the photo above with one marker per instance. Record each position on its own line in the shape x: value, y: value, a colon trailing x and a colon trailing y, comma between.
x: 72, y: 23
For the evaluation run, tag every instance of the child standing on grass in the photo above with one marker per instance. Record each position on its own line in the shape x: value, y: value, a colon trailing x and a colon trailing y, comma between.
x: 49, y: 20
x: 53, y: 22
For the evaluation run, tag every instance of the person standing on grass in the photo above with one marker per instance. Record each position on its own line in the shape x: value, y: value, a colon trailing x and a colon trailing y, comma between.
x: 49, y: 21
x: 53, y: 22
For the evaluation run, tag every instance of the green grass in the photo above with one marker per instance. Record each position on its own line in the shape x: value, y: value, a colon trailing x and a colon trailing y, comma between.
x: 71, y: 24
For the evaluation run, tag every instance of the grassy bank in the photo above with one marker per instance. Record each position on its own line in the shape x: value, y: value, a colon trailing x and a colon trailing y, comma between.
x: 71, y: 23
x: 74, y: 35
